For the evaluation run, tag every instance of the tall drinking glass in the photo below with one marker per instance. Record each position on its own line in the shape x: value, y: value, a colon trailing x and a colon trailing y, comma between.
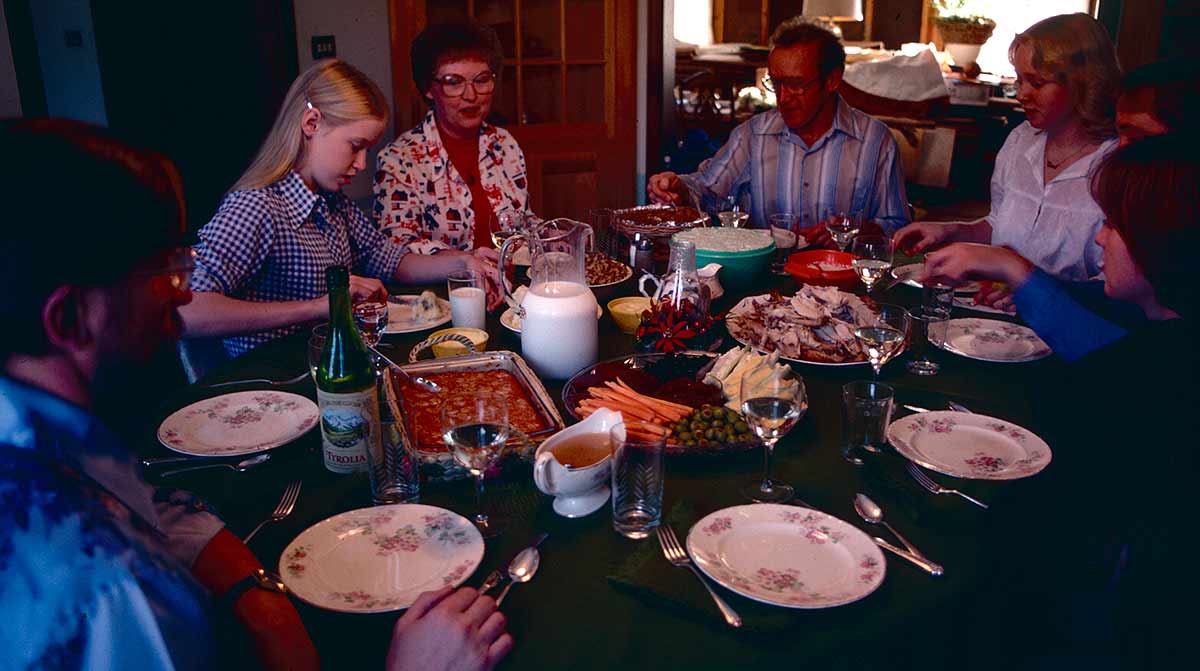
x: 867, y: 411
x: 785, y: 227
x: 929, y: 332
x: 475, y: 427
x: 884, y: 339
x: 772, y: 403
x: 873, y: 258
x: 637, y: 477
x: 468, y: 299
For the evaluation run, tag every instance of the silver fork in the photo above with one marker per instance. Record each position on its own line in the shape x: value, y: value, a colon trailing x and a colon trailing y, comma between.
x: 273, y: 383
x: 933, y: 487
x: 286, y: 504
x: 674, y: 553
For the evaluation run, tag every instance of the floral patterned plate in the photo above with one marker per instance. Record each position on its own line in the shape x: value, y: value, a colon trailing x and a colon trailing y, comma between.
x: 243, y: 422
x: 907, y: 274
x: 968, y: 303
x: 969, y: 445
x: 993, y: 340
x: 400, y: 310
x: 786, y: 556
x: 375, y: 560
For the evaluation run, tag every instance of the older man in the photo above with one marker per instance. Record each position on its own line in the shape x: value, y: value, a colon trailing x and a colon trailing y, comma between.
x: 812, y: 154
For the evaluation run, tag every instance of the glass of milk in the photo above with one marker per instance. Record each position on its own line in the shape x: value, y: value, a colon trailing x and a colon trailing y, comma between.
x: 468, y: 299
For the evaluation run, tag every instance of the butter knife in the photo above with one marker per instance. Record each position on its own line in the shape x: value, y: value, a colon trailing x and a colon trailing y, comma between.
x: 495, y: 577
x: 932, y: 568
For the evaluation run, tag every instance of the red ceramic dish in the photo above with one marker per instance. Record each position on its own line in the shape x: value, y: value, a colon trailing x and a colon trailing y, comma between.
x: 801, y: 265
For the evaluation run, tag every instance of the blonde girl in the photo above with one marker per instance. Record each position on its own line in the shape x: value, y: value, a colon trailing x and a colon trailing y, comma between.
x: 260, y: 262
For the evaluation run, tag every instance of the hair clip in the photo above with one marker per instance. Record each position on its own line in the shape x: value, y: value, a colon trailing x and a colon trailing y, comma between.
x: 309, y: 104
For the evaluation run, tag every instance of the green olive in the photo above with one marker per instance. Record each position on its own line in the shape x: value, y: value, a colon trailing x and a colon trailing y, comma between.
x: 703, y: 443
x: 685, y: 436
x: 741, y: 427
x: 718, y: 424
x: 707, y: 413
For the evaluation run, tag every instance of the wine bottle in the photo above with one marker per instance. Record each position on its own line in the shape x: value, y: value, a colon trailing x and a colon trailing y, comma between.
x: 346, y: 386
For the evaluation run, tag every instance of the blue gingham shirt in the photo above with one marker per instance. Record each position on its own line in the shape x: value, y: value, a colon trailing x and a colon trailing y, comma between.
x: 854, y: 167
x: 273, y: 244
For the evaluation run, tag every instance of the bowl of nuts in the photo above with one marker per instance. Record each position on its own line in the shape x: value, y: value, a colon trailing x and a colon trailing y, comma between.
x: 605, y: 274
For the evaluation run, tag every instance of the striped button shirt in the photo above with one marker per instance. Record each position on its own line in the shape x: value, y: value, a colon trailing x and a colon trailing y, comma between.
x: 854, y: 167
x: 273, y: 244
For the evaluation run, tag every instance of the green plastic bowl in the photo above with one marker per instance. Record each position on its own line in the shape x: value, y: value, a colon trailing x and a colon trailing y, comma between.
x: 739, y: 270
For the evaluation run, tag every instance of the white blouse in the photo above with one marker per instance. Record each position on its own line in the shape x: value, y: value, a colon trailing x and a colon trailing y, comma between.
x: 1053, y: 225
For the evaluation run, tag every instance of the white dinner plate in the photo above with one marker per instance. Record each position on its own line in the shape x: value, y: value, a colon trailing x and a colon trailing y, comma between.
x: 908, y: 272
x: 400, y: 315
x: 244, y: 422
x: 379, y: 559
x: 969, y: 445
x: 754, y: 347
x: 510, y: 320
x: 786, y: 555
x: 968, y: 303
x: 992, y: 340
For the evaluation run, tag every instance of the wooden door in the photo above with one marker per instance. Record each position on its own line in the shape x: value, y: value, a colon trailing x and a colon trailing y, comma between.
x: 567, y: 92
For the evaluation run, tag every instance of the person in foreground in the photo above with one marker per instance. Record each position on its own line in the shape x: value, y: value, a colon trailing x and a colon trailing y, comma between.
x: 98, y: 569
x: 812, y: 154
x: 1067, y: 83
x: 439, y: 185
x: 1108, y: 520
x: 260, y: 262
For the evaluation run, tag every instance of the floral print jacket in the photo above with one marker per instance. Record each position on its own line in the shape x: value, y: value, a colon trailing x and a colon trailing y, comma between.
x: 422, y: 201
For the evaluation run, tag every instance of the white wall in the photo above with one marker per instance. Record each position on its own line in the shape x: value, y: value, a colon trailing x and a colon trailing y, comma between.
x: 71, y: 75
x: 360, y: 28
x: 10, y: 98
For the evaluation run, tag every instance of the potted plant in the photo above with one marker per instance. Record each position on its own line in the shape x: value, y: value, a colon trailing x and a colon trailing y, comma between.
x: 962, y: 30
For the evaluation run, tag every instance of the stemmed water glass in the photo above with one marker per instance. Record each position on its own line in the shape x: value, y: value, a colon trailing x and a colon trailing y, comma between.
x: 772, y: 403
x: 842, y: 227
x: 873, y: 258
x: 504, y: 225
x: 884, y: 339
x: 475, y: 427
x: 371, y: 317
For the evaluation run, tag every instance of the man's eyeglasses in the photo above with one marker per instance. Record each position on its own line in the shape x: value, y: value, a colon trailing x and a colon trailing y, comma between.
x: 454, y: 86
x: 792, y: 84
x: 177, y: 265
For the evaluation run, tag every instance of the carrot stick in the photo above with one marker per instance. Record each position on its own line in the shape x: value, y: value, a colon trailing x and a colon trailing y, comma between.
x: 672, y: 411
x: 669, y: 404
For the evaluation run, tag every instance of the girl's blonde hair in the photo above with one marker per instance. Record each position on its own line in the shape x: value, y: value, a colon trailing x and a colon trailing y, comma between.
x: 340, y: 91
x: 1076, y: 51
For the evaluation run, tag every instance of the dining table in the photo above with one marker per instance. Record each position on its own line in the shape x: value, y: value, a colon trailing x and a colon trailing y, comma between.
x: 601, y: 601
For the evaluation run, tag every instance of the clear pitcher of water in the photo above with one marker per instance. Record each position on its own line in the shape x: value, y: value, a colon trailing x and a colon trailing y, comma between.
x: 558, y: 313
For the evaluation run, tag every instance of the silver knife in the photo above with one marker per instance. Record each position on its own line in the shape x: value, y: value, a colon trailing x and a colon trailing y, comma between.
x: 932, y: 568
x: 495, y: 577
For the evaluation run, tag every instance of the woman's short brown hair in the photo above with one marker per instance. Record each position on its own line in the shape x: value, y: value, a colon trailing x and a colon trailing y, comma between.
x: 1076, y: 51
x: 1147, y: 191
x: 441, y: 42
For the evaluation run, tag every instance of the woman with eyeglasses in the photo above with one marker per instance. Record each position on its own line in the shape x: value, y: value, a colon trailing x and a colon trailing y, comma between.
x: 439, y: 185
x: 261, y: 260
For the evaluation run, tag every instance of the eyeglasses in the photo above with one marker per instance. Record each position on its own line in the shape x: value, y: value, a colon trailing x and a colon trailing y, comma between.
x: 791, y: 85
x: 454, y: 86
x: 177, y: 265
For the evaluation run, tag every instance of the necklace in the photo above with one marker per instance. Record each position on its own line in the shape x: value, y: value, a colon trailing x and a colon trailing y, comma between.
x: 1054, y: 165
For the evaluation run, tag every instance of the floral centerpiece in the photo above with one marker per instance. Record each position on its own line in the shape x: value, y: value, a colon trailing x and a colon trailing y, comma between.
x: 958, y: 24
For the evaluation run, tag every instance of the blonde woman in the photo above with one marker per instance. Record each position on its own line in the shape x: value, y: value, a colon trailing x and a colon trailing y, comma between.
x: 1068, y: 81
x: 260, y: 262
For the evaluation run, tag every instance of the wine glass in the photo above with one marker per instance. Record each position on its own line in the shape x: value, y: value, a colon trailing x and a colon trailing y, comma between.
x: 504, y: 225
x: 475, y: 427
x: 371, y: 316
x: 884, y: 339
x: 842, y: 227
x: 773, y: 400
x: 873, y: 258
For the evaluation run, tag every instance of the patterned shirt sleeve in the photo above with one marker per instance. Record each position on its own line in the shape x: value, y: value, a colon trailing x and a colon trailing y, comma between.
x: 375, y: 254
x: 724, y: 173
x: 891, y: 200
x: 233, y: 245
x: 399, y: 209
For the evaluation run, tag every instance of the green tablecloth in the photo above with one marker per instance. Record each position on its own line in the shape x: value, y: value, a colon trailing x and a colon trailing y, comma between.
x: 600, y: 601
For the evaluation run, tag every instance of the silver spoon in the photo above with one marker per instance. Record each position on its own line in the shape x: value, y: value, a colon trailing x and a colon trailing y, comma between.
x: 417, y: 379
x: 521, y: 569
x: 240, y: 467
x: 873, y: 514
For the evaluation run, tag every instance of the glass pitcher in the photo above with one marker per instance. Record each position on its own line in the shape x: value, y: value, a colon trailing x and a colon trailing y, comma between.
x: 558, y: 313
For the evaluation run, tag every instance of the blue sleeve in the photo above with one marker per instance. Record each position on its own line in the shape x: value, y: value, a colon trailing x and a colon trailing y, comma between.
x: 1071, y: 330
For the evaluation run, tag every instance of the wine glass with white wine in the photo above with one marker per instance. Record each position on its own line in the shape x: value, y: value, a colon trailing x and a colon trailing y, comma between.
x: 773, y: 400
x: 475, y: 427
x: 842, y: 227
x: 872, y: 258
x: 884, y: 339
x: 504, y: 225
